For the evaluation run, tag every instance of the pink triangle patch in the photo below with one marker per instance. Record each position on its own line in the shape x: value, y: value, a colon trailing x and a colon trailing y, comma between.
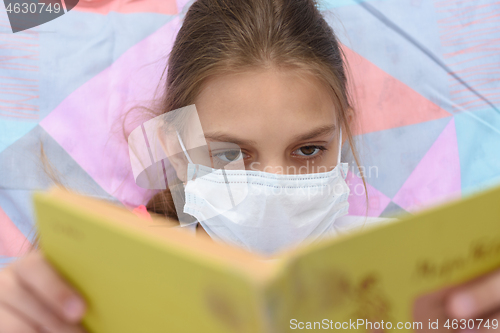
x: 436, y: 178
x: 88, y: 124
x: 384, y: 102
x: 12, y: 241
x: 377, y: 201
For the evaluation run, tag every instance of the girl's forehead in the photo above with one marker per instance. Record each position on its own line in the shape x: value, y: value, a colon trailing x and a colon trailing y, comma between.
x: 265, y: 99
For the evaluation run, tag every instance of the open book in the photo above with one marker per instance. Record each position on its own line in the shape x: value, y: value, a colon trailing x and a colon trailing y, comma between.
x: 145, y: 276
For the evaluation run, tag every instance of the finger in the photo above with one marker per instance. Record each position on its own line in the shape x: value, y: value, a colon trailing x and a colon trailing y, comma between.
x: 17, y: 298
x: 10, y: 322
x: 479, y: 297
x: 38, y: 276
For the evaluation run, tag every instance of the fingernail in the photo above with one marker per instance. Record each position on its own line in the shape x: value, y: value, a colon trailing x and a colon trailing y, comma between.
x: 463, y: 305
x: 73, y: 308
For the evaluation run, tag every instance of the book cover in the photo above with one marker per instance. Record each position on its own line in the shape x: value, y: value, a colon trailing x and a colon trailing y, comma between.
x: 149, y: 276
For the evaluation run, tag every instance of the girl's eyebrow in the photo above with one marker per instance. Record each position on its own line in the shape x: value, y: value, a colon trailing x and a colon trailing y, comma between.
x: 221, y: 137
x: 323, y: 130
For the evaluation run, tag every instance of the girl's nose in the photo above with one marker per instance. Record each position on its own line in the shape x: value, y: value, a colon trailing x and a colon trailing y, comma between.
x: 278, y: 169
x: 275, y: 165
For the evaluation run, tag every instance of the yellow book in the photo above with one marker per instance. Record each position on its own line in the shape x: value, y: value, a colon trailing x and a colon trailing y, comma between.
x: 145, y: 276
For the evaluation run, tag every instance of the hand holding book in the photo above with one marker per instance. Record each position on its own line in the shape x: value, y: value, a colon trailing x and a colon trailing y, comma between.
x: 477, y: 299
x: 35, y: 298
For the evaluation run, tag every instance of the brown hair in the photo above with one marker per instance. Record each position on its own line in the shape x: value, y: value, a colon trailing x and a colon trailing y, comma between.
x: 227, y: 36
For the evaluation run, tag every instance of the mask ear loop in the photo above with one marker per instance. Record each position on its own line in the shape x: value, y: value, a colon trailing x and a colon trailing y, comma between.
x: 184, y: 148
x: 340, y: 151
x: 187, y: 155
x: 340, y: 145
x: 194, y: 176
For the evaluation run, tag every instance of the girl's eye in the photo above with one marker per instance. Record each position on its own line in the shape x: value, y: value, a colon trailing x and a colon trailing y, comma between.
x: 308, y: 151
x: 229, y: 156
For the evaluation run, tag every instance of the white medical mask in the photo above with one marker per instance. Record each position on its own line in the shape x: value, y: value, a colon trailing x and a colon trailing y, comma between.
x: 265, y: 212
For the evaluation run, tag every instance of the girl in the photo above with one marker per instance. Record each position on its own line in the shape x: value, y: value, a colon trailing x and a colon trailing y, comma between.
x: 268, y: 76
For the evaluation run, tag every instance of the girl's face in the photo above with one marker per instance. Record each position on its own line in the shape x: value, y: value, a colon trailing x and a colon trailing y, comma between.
x: 274, y: 121
x: 283, y: 121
